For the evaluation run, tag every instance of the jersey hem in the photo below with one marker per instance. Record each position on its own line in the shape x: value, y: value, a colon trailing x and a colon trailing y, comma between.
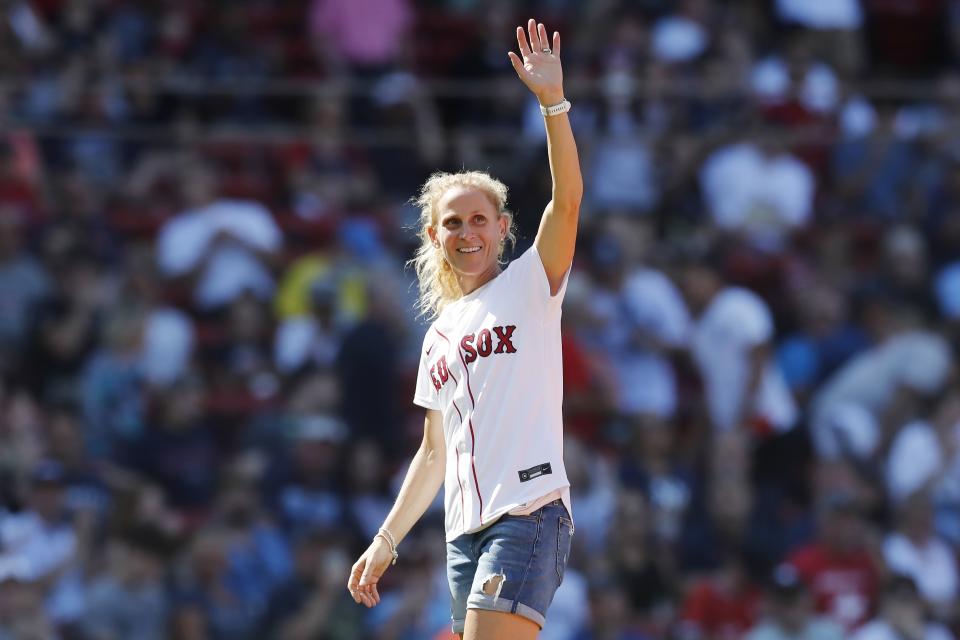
x: 490, y: 520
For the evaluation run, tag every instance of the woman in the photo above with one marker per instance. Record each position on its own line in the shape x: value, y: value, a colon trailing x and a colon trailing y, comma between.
x: 490, y: 379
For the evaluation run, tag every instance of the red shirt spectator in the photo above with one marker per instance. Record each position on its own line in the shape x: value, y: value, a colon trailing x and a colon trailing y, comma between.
x: 838, y: 569
x: 721, y: 608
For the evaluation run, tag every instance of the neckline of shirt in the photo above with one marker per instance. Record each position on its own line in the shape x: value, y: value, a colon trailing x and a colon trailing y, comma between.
x: 473, y: 294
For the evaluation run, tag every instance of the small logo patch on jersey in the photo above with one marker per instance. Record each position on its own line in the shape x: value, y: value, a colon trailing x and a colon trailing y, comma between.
x: 535, y: 472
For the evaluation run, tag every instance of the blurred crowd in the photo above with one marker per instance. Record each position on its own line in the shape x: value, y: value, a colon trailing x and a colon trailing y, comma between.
x: 208, y: 345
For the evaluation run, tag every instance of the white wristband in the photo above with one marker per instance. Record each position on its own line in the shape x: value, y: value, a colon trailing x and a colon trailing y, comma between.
x: 556, y: 109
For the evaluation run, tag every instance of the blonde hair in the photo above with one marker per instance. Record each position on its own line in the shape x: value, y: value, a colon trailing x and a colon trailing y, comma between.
x: 437, y: 282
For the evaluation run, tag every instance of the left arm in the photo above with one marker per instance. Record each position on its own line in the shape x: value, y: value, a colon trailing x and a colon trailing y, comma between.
x: 541, y: 71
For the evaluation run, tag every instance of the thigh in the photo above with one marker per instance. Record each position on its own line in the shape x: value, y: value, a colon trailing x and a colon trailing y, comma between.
x: 496, y: 625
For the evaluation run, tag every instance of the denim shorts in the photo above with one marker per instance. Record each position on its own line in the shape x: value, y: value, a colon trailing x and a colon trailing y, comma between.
x: 530, y: 553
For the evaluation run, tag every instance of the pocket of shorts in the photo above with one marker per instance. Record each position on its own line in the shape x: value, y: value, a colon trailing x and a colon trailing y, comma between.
x: 564, y: 540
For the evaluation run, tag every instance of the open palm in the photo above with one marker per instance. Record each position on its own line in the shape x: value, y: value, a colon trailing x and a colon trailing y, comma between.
x: 540, y: 67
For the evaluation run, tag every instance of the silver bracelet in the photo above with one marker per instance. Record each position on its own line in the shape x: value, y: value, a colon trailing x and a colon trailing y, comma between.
x: 386, y: 535
x: 555, y: 109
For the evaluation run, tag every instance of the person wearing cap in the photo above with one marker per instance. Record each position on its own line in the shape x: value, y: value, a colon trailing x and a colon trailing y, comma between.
x: 789, y: 611
x: 491, y: 381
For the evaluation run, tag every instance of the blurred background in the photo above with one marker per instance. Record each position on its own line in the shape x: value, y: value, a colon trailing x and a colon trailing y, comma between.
x: 208, y: 347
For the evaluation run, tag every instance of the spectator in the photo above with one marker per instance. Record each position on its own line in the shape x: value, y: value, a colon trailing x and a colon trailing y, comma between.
x: 638, y: 320
x: 925, y: 458
x: 25, y: 284
x: 790, y: 613
x: 311, y: 603
x: 901, y: 616
x: 304, y: 484
x: 114, y: 399
x: 723, y: 606
x: 872, y: 170
x: 369, y: 362
x: 730, y: 344
x: 222, y: 247
x: 128, y: 598
x: 40, y: 541
x: 610, y: 616
x: 65, y: 328
x: 312, y: 340
x: 350, y: 38
x: 838, y: 567
x: 208, y: 604
x: 178, y: 449
x: 887, y: 381
x: 21, y: 611
x: 758, y: 189
x: 917, y: 552
x: 826, y: 336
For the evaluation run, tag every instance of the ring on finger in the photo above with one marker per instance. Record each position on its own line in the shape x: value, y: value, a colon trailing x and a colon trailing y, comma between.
x: 546, y: 50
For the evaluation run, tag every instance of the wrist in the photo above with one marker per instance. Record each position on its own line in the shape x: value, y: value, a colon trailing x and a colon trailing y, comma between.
x: 385, y: 535
x: 550, y: 98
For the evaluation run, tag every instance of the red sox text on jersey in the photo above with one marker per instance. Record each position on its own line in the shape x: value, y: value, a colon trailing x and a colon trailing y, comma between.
x: 479, y: 345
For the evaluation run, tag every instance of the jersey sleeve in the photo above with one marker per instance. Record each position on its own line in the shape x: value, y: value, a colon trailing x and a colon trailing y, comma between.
x: 529, y: 277
x: 426, y: 394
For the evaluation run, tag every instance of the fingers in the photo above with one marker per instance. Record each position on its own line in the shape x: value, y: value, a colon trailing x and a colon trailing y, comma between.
x: 517, y: 63
x: 534, y: 36
x: 362, y: 585
x: 354, y: 581
x: 522, y: 41
x: 556, y: 43
x: 542, y: 35
x: 368, y: 589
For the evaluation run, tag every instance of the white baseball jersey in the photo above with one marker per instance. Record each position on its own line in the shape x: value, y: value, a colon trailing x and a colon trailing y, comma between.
x: 491, y: 363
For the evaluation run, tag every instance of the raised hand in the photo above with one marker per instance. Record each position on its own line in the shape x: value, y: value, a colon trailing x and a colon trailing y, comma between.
x: 540, y: 67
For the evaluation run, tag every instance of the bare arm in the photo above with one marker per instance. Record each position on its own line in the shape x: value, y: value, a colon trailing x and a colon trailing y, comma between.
x: 420, y: 486
x: 541, y: 71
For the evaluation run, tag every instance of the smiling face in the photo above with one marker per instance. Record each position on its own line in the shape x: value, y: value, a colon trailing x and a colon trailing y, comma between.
x: 469, y: 231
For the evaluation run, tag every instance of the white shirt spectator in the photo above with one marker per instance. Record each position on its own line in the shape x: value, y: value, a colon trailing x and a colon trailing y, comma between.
x: 655, y: 307
x: 821, y: 14
x: 917, y: 360
x: 647, y: 304
x: 31, y: 549
x: 735, y: 322
x: 932, y: 565
x: 881, y: 630
x: 916, y: 456
x: 233, y: 268
x: 763, y: 196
